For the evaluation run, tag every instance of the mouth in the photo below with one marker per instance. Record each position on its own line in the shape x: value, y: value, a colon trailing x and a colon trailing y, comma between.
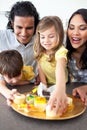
x: 47, y: 45
x: 24, y: 38
x: 75, y: 40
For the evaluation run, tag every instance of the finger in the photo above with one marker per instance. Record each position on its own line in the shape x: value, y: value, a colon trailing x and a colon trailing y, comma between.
x: 85, y: 100
x: 74, y: 92
x: 57, y: 106
x: 80, y: 93
x: 9, y: 102
x: 60, y: 111
x: 51, y: 102
x: 11, y: 97
x: 61, y: 108
x: 14, y: 91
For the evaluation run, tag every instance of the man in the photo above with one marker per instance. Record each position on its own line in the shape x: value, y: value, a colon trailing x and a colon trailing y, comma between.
x: 19, y: 35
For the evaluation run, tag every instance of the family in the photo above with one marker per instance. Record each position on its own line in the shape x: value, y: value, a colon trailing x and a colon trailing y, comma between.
x: 32, y: 50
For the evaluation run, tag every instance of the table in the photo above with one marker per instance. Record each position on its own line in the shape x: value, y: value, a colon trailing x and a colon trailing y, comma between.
x: 11, y: 120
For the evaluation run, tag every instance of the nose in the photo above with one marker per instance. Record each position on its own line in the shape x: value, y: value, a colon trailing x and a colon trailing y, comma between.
x: 46, y: 39
x: 23, y: 32
x: 76, y: 31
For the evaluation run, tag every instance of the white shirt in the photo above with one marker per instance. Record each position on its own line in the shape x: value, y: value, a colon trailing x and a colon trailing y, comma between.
x: 8, y: 41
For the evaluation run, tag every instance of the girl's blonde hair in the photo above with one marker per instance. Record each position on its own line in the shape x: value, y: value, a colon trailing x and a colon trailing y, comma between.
x: 44, y: 24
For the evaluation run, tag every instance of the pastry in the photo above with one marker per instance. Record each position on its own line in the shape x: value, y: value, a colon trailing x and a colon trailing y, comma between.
x: 51, y: 112
x: 70, y: 104
x: 40, y: 102
x: 27, y: 108
x: 19, y: 98
x: 30, y: 99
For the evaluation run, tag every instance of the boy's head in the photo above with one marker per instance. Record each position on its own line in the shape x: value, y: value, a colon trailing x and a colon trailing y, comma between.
x: 11, y: 63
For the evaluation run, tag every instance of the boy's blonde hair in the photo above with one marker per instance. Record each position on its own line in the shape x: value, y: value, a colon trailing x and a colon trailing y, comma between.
x: 44, y: 24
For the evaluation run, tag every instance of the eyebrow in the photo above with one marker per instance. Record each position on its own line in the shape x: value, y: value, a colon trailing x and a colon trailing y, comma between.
x: 82, y: 24
x: 48, y: 34
x: 28, y: 27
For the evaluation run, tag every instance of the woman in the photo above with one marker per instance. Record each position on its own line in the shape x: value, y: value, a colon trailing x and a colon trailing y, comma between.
x: 76, y: 43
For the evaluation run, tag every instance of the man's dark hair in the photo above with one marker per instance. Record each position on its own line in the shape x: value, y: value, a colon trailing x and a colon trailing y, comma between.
x: 23, y: 9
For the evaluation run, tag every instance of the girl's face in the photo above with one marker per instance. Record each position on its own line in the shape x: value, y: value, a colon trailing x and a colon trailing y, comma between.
x: 48, y: 38
x: 77, y: 31
x: 14, y: 80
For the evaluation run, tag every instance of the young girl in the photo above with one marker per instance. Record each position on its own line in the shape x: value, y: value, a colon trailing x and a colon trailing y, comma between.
x: 76, y: 43
x: 51, y: 57
x: 13, y: 72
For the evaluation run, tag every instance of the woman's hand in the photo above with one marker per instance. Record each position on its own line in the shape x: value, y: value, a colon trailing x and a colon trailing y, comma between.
x: 59, y: 100
x: 82, y: 91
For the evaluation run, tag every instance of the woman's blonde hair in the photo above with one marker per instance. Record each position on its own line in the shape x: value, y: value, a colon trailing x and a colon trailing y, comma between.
x: 44, y: 24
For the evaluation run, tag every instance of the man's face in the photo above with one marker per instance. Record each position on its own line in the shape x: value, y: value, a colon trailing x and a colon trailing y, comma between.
x: 23, y: 28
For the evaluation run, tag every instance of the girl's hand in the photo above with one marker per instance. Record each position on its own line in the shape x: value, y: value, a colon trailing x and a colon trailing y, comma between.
x: 59, y: 100
x: 37, y: 80
x: 10, y: 97
x: 82, y: 91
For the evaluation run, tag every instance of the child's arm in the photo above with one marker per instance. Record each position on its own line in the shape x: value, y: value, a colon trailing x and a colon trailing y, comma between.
x: 41, y: 75
x: 7, y: 93
x: 82, y: 91
x: 59, y: 94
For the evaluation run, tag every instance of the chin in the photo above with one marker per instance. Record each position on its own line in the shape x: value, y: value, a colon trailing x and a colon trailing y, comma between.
x: 76, y: 46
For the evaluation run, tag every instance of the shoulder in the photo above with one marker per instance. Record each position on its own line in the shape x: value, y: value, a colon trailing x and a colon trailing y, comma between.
x: 7, y: 37
x: 6, y: 31
x: 61, y: 52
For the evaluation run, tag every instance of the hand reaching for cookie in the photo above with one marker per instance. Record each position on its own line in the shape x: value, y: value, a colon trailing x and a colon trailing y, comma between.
x: 10, y: 96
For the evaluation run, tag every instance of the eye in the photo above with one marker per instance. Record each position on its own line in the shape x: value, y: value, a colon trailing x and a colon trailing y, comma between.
x: 71, y: 27
x: 83, y: 27
x: 29, y: 28
x: 42, y: 37
x: 51, y: 36
x: 18, y: 27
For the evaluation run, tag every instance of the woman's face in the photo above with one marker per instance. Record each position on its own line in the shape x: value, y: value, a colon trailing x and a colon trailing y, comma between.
x: 77, y: 31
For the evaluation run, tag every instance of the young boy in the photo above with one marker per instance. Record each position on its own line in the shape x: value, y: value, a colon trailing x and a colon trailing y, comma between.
x: 13, y: 72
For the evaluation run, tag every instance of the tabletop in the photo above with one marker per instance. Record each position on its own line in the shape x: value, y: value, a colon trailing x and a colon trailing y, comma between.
x: 11, y: 120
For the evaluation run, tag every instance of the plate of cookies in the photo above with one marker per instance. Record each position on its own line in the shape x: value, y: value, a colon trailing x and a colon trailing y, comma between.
x: 34, y: 106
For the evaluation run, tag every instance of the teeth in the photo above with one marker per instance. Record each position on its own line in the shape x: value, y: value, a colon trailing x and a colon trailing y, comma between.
x: 76, y: 39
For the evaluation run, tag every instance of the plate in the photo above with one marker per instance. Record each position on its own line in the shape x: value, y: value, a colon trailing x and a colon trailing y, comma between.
x: 78, y: 109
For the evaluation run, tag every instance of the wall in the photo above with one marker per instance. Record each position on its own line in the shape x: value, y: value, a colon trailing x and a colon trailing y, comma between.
x: 62, y: 8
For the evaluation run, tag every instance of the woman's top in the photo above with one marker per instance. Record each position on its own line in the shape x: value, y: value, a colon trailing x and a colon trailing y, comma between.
x: 8, y: 41
x: 49, y: 67
x: 76, y: 74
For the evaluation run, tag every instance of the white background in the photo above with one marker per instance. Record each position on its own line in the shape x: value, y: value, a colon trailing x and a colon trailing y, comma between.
x: 61, y: 8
